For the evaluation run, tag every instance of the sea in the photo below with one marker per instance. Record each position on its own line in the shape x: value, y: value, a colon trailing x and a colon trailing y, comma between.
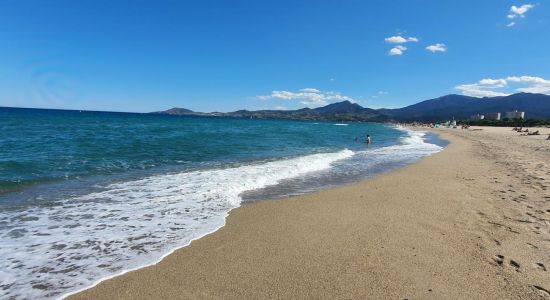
x: 85, y: 196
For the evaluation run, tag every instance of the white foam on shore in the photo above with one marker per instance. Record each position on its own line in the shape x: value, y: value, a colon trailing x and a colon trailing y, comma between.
x: 55, y: 251
x: 413, y: 145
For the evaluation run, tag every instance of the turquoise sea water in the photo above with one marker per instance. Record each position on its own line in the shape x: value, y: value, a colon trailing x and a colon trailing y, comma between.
x: 48, y: 145
x: 88, y: 195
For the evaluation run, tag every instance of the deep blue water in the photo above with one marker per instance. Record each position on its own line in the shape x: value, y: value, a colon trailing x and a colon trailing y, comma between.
x: 87, y: 195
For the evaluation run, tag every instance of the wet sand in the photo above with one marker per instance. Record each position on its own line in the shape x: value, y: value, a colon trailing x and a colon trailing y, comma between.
x: 470, y: 222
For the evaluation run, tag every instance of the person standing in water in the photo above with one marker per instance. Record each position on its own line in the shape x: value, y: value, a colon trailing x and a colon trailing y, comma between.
x: 368, y: 140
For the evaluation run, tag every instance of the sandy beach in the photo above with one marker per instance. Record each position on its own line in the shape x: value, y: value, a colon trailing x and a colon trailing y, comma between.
x: 470, y: 222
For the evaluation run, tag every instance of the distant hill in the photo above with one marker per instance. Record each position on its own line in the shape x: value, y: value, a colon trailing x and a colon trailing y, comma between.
x: 176, y: 111
x: 535, y: 106
x: 341, y: 111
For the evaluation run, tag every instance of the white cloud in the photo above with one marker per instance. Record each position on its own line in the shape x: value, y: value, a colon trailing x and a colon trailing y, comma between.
x: 397, y: 50
x: 535, y: 84
x: 397, y: 39
x: 307, y: 96
x: 310, y: 90
x: 493, y: 83
x: 536, y: 89
x: 437, y: 48
x: 280, y: 108
x: 529, y: 79
x: 518, y: 12
x: 476, y: 90
x: 501, y: 87
x: 382, y: 93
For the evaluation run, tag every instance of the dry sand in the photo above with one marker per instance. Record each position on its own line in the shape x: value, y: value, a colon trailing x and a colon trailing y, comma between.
x: 471, y: 222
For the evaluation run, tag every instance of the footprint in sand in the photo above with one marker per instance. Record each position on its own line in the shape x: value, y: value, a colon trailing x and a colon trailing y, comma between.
x: 543, y: 291
x: 534, y: 246
x: 500, y: 260
x: 540, y: 266
x: 514, y: 264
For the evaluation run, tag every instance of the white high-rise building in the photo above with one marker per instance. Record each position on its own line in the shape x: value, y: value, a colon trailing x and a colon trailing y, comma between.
x: 477, y: 117
x: 492, y: 116
x: 515, y: 114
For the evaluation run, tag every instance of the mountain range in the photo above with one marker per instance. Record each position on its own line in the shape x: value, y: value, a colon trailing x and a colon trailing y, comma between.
x: 460, y: 107
x: 341, y: 111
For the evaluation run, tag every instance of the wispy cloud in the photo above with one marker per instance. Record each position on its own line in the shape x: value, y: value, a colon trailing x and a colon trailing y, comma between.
x: 307, y: 96
x: 437, y: 48
x: 502, y: 86
x: 397, y: 50
x: 518, y: 12
x: 310, y: 90
x: 378, y: 94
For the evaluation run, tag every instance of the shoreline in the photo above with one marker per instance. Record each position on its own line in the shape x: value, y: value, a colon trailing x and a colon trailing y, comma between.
x: 115, y: 285
x: 436, y: 140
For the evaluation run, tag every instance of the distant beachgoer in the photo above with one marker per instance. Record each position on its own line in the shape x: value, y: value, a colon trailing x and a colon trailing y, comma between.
x: 368, y: 141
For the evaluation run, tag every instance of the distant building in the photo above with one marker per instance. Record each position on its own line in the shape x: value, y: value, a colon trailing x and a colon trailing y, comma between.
x: 492, y: 116
x: 515, y: 114
x: 477, y: 117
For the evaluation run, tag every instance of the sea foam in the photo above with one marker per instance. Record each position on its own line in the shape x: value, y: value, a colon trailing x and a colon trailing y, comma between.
x: 50, y: 251
x: 413, y: 145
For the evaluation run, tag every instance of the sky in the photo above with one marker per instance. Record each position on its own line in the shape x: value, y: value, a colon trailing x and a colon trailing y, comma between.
x: 143, y: 56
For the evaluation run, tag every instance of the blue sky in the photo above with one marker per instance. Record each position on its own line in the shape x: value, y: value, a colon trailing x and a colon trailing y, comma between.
x: 226, y: 55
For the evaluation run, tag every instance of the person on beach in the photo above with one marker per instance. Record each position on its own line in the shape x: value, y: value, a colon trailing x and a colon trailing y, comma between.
x: 368, y: 140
